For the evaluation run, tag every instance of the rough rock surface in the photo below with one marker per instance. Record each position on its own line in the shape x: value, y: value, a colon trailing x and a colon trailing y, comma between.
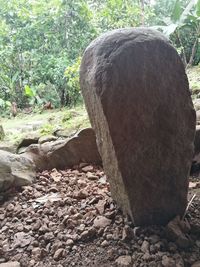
x: 8, y: 146
x: 196, y: 103
x: 137, y: 96
x: 27, y: 141
x: 65, y: 153
x: 47, y: 138
x: 15, y: 170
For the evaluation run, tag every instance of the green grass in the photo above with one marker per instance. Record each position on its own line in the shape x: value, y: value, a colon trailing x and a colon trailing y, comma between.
x: 44, y: 123
x: 194, y: 79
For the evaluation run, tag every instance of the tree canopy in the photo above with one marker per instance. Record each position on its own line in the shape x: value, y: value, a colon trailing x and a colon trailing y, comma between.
x: 41, y: 41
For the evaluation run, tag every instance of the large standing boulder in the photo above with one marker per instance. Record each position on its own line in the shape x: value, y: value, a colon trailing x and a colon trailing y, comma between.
x: 15, y: 170
x: 137, y: 96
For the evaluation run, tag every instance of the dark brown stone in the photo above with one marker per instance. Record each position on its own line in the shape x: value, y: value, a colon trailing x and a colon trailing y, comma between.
x: 66, y: 153
x: 137, y: 96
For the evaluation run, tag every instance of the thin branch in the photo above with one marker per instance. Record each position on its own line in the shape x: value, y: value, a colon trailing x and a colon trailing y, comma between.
x: 188, y: 205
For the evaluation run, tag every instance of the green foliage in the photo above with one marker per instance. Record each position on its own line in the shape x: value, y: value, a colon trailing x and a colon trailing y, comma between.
x: 72, y: 82
x: 182, y: 25
x: 47, y: 129
x: 4, y: 107
x: 194, y: 80
x: 41, y: 41
x: 38, y: 40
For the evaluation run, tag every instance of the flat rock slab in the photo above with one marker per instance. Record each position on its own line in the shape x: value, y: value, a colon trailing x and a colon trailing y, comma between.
x: 66, y: 153
x: 137, y: 96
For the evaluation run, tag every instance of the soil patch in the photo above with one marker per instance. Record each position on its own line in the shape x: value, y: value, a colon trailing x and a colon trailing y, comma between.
x: 68, y: 218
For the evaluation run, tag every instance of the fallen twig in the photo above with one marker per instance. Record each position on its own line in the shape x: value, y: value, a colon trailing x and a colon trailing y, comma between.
x: 188, y: 205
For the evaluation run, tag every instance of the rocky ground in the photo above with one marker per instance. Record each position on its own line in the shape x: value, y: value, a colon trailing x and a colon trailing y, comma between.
x: 68, y: 218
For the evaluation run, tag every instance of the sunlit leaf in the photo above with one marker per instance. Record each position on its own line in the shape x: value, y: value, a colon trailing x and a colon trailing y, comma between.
x: 28, y: 91
x: 198, y: 8
x: 177, y: 11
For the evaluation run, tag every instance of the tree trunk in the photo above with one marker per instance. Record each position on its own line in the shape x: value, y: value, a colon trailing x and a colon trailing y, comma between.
x: 142, y: 12
x: 182, y: 48
x: 194, y: 48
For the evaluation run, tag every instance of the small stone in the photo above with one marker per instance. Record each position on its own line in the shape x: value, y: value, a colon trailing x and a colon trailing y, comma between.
x: 53, y: 189
x: 183, y: 242
x: 179, y: 261
x: 146, y: 256
x: 124, y: 261
x: 137, y: 231
x: 22, y: 240
x: 195, y: 228
x: 35, y: 243
x: 168, y: 262
x: 43, y: 228
x: 83, y: 164
x: 49, y: 236
x: 69, y: 242
x: 58, y: 254
x: 56, y: 246
x: 2, y: 217
x: 37, y: 225
x: 82, y: 183
x: 20, y: 227
x: 145, y: 246
x: 104, y: 243
x: 152, y: 249
x: 173, y: 229
x: 81, y: 194
x: 185, y: 226
x: 10, y: 264
x: 196, y: 264
x: 172, y: 247
x: 81, y: 227
x: 64, y: 221
x: 198, y: 243
x: 87, y: 234
x: 10, y: 207
x: 91, y: 176
x: 36, y: 253
x: 101, y: 222
x: 127, y: 233
x: 32, y: 263
x: 109, y: 236
x: 153, y: 239
x: 88, y: 168
x: 100, y: 206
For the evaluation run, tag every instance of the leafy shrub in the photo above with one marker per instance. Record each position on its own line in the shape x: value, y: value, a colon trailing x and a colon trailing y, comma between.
x: 5, y: 107
x: 72, y: 82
